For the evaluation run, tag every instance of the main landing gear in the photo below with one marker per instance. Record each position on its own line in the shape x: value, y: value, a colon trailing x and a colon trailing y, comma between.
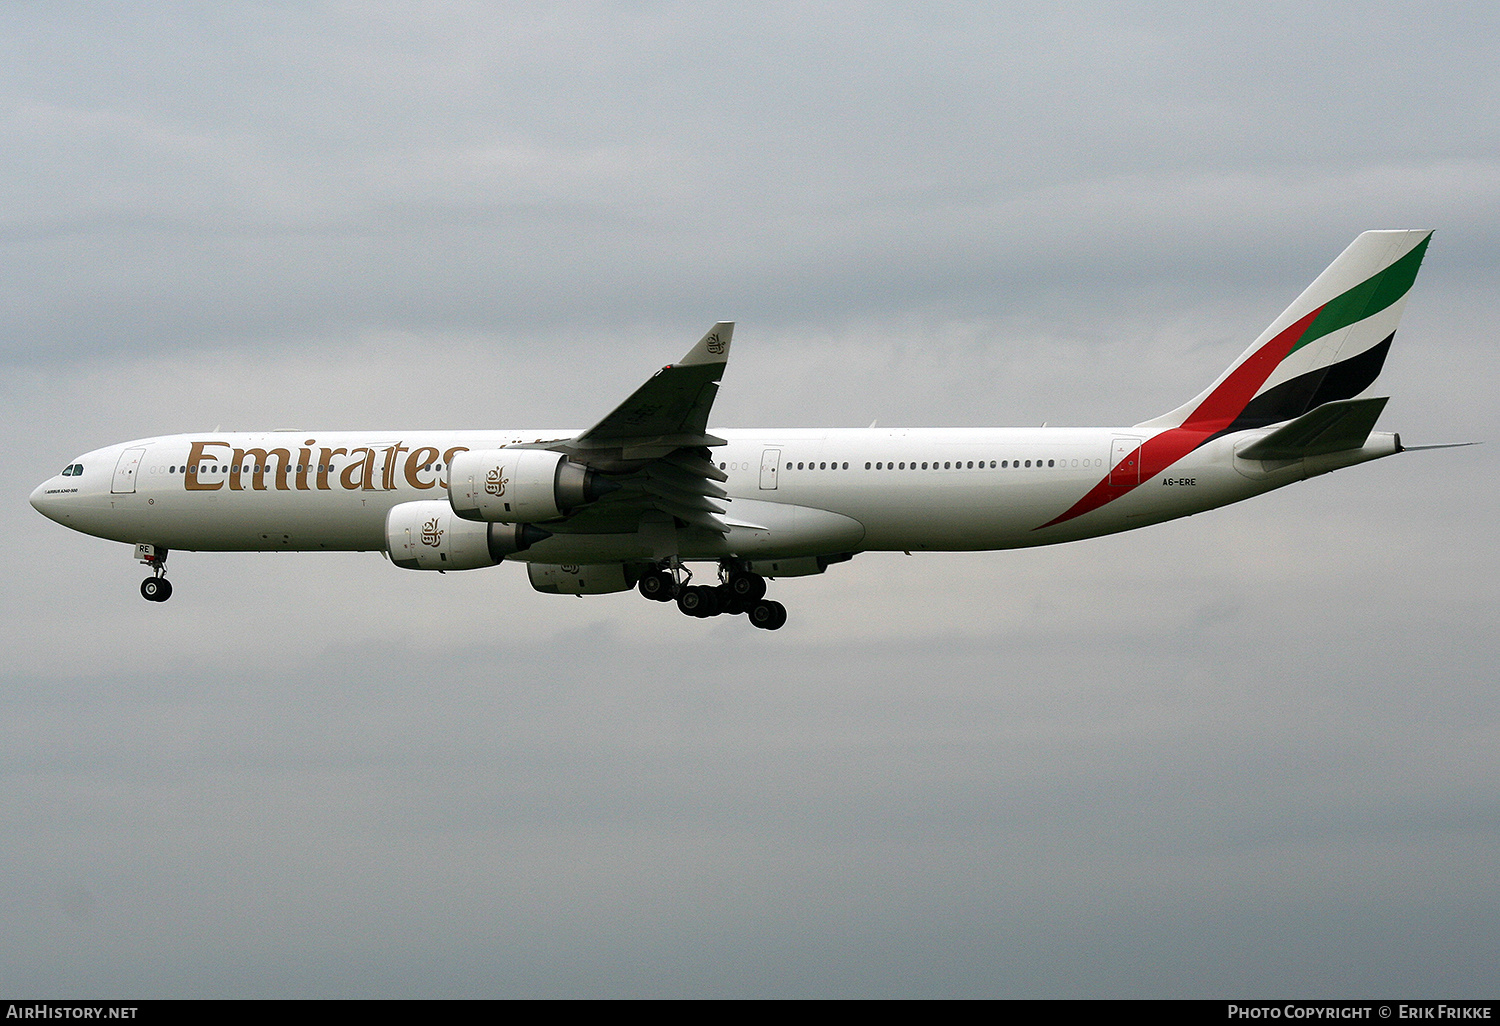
x: 155, y: 588
x: 739, y: 591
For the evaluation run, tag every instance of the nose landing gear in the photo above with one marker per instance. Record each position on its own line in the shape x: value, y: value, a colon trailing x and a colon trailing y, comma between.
x: 155, y: 588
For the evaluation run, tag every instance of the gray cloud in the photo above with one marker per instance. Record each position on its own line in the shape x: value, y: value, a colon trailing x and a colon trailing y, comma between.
x: 1247, y: 753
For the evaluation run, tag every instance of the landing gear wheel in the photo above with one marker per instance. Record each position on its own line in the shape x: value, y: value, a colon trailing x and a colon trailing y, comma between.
x: 699, y: 600
x: 767, y: 615
x: 747, y: 587
x: 156, y: 589
x: 658, y: 586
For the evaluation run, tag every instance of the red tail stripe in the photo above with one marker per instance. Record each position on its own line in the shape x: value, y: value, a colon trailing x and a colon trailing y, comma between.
x: 1215, y: 413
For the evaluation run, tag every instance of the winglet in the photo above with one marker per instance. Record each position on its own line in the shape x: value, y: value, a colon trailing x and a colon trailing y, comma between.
x: 670, y: 411
x: 712, y: 347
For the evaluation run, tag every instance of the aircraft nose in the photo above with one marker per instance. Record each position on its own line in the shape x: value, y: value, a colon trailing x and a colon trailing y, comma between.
x: 43, y: 503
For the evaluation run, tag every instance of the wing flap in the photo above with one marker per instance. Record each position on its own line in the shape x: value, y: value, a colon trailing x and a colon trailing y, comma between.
x: 697, y: 518
x: 696, y: 465
x: 664, y: 474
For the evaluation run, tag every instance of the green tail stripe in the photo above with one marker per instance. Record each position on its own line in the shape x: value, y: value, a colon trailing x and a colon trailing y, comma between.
x: 1367, y: 298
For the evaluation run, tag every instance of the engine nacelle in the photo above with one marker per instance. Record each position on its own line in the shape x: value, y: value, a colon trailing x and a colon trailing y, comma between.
x: 572, y: 579
x: 428, y: 536
x: 520, y: 486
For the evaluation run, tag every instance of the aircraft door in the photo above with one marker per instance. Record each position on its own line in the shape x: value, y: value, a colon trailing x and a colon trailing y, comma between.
x: 770, y: 460
x: 1125, y: 463
x: 125, y: 470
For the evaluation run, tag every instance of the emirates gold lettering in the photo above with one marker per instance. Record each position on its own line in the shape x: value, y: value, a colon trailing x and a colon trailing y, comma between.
x: 325, y: 466
x: 369, y: 469
x: 388, y: 472
x: 259, y: 466
x: 198, y: 459
x: 304, y: 463
x: 419, y: 460
x: 357, y: 476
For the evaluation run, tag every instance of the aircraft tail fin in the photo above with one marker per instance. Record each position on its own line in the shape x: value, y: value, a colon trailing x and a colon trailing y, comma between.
x: 1326, y: 347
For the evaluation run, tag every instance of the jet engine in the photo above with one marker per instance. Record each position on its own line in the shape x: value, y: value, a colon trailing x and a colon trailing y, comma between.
x: 520, y: 486
x: 428, y: 536
x: 571, y: 579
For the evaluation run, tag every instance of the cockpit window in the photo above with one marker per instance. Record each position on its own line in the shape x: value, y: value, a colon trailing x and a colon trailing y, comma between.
x: 76, y: 470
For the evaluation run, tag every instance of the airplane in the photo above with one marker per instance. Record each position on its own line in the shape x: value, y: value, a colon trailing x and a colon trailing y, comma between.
x: 648, y: 491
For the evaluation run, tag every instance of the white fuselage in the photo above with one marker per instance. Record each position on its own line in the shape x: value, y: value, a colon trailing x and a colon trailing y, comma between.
x: 792, y: 492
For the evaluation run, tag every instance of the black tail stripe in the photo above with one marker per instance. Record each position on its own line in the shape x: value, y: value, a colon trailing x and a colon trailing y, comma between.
x: 1291, y: 399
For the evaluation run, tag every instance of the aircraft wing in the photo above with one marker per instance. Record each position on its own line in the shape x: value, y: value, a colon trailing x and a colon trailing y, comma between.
x: 655, y: 446
x: 671, y: 409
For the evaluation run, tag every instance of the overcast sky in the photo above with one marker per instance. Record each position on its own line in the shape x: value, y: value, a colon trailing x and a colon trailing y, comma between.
x: 1252, y: 753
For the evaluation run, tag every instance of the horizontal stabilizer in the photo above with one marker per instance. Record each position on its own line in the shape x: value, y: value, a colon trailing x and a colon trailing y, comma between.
x: 1332, y: 427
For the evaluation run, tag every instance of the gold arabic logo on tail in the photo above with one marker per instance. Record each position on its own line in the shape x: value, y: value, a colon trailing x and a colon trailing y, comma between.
x: 495, y: 482
x: 715, y: 345
x: 430, y: 533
